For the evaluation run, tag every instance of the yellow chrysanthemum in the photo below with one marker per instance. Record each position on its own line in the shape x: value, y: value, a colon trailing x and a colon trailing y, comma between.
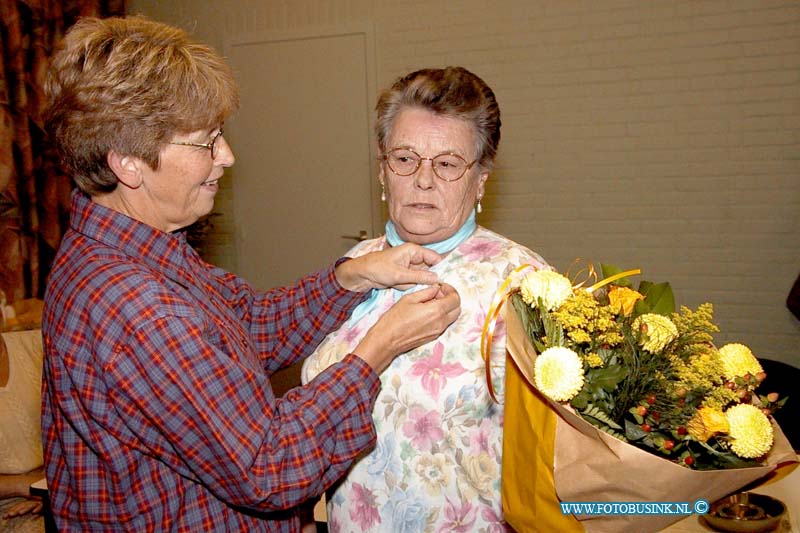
x: 738, y: 360
x: 706, y: 422
x: 558, y: 373
x: 622, y: 299
x: 656, y: 331
x: 750, y: 430
x: 551, y: 288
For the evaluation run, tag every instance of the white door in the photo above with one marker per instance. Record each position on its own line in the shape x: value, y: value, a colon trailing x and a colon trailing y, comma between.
x: 303, y: 182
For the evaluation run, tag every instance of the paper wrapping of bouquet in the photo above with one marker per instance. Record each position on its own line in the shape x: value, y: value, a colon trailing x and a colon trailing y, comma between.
x: 576, y: 462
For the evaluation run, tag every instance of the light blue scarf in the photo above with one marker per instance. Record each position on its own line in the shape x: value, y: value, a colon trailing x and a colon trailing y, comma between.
x: 393, y: 239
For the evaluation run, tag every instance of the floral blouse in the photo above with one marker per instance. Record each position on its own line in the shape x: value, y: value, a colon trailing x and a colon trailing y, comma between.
x: 436, y: 466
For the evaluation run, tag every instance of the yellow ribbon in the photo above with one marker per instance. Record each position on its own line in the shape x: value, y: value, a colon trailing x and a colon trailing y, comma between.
x: 613, y: 278
x: 591, y: 273
x: 489, y: 325
x: 503, y: 294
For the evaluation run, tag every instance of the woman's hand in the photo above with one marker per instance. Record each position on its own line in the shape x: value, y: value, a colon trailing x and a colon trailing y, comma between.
x: 401, y: 267
x: 28, y: 506
x: 16, y: 485
x: 416, y: 319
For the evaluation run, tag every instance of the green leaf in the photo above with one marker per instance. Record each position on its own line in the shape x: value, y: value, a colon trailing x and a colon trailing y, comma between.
x: 529, y: 318
x: 640, y: 308
x: 540, y: 346
x: 553, y: 330
x: 580, y: 400
x: 658, y: 297
x: 608, y: 377
x: 609, y: 270
x: 724, y: 459
x: 523, y: 310
x: 598, y: 393
x: 598, y: 414
x: 608, y: 356
x: 613, y: 433
x: 633, y: 431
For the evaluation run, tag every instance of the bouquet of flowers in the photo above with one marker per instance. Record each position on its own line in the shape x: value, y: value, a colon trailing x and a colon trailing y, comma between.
x: 630, y: 365
x: 646, y: 378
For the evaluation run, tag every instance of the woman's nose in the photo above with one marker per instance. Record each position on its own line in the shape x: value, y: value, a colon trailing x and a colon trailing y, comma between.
x: 424, y: 178
x: 225, y: 155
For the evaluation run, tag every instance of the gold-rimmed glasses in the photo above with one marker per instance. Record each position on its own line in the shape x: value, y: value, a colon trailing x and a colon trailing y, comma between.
x: 212, y: 145
x: 448, y: 166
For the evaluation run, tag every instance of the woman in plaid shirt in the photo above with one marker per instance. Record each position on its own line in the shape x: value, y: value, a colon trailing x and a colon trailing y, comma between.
x: 157, y: 409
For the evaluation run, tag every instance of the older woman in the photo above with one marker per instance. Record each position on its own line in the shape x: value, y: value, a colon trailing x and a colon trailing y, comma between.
x: 157, y: 412
x: 437, y: 463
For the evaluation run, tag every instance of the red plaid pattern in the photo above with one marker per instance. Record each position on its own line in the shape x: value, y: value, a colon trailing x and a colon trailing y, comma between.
x: 157, y: 410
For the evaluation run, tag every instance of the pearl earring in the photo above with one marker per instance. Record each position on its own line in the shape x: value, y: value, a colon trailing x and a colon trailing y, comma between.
x: 383, y: 193
x: 478, y: 207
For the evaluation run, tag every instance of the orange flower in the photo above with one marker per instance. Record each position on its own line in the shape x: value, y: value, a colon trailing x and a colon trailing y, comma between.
x: 706, y: 422
x: 623, y: 299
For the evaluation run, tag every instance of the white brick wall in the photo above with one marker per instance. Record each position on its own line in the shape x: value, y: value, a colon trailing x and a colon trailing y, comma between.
x: 659, y: 135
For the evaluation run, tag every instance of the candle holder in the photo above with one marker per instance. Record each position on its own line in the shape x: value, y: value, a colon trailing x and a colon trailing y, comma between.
x: 746, y: 512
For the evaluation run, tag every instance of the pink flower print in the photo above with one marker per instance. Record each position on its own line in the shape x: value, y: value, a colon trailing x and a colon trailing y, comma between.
x: 423, y: 428
x: 351, y: 335
x: 363, y: 510
x: 495, y: 521
x: 479, y: 249
x: 333, y: 524
x: 474, y: 333
x: 479, y: 438
x: 458, y: 518
x: 498, y: 338
x: 435, y: 373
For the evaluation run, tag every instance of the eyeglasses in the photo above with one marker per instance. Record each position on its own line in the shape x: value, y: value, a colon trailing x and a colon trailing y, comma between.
x: 448, y: 167
x: 212, y: 146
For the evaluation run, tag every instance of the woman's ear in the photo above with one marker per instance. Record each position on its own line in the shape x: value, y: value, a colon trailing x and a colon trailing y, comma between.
x: 381, y: 180
x: 381, y: 174
x: 482, y: 177
x: 126, y: 168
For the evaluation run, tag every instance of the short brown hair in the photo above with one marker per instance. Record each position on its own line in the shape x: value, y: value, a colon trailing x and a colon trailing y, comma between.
x: 453, y: 92
x: 129, y: 85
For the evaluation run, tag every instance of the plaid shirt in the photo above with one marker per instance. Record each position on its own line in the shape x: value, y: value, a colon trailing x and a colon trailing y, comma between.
x: 157, y: 412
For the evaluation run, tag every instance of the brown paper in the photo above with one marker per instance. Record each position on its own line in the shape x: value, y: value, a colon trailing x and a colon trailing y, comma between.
x: 592, y: 466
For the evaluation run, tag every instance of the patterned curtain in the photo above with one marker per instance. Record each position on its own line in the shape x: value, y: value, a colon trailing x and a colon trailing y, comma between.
x: 34, y: 192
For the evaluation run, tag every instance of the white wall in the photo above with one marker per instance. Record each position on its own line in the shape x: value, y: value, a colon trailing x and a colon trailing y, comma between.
x: 658, y: 135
